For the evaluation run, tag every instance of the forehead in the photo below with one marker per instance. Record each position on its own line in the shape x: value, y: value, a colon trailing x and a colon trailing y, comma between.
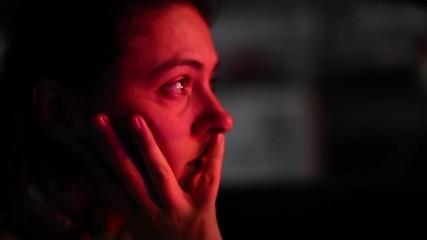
x: 177, y: 31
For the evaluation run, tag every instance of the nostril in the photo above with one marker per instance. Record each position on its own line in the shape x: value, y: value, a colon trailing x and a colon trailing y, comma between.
x: 217, y: 130
x: 226, y: 124
x: 220, y: 122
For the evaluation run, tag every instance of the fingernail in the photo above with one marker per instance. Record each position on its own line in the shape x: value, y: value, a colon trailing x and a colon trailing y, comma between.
x: 219, y: 137
x: 101, y: 120
x: 135, y: 123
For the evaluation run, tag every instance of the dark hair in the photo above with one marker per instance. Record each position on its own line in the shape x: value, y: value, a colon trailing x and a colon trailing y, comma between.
x: 71, y: 41
x: 74, y: 40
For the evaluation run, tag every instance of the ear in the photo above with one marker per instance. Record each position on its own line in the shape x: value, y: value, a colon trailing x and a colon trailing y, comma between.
x: 50, y: 103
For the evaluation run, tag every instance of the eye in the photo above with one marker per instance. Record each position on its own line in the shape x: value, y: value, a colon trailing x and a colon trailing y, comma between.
x: 178, y: 87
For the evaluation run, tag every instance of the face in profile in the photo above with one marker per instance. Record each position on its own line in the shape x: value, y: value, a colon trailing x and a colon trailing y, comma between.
x: 164, y: 74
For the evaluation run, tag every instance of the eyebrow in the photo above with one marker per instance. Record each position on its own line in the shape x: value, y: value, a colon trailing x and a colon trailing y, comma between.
x: 172, y: 63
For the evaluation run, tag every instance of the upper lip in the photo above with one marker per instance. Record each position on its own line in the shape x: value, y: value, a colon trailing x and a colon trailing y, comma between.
x: 198, y: 160
x: 193, y: 167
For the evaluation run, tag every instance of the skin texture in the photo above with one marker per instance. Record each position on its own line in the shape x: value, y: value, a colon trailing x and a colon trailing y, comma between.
x: 182, y: 119
x: 157, y: 97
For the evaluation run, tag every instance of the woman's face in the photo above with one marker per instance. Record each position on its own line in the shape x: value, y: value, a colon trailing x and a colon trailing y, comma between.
x: 164, y: 74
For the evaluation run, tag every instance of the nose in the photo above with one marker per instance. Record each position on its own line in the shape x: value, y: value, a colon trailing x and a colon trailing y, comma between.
x: 212, y: 118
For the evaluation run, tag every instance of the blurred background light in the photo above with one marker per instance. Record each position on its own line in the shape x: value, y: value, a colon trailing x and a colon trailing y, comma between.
x: 323, y: 90
x: 329, y: 103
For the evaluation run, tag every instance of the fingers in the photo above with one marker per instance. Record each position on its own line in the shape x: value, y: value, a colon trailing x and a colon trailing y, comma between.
x: 120, y: 162
x: 159, y: 170
x: 161, y: 179
x: 207, y: 188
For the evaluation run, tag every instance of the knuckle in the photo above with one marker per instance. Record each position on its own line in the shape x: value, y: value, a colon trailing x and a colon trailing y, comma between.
x: 160, y: 174
x: 210, y: 179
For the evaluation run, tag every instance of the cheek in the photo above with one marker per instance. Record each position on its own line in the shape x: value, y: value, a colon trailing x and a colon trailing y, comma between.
x: 170, y: 125
x: 173, y: 136
x: 171, y: 130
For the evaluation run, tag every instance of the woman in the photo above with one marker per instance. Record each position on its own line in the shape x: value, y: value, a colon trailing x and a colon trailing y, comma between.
x: 113, y: 130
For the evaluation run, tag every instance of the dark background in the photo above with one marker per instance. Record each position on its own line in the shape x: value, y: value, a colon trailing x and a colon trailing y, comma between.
x: 329, y: 103
x: 329, y: 99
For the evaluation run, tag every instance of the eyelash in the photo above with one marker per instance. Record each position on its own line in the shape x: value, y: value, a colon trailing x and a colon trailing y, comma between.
x: 182, y: 85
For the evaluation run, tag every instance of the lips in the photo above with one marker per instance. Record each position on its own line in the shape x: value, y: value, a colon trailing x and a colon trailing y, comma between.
x: 192, y: 172
x: 199, y: 160
x: 196, y: 164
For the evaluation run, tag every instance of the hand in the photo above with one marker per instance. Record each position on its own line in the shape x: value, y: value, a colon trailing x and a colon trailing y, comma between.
x: 163, y: 210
